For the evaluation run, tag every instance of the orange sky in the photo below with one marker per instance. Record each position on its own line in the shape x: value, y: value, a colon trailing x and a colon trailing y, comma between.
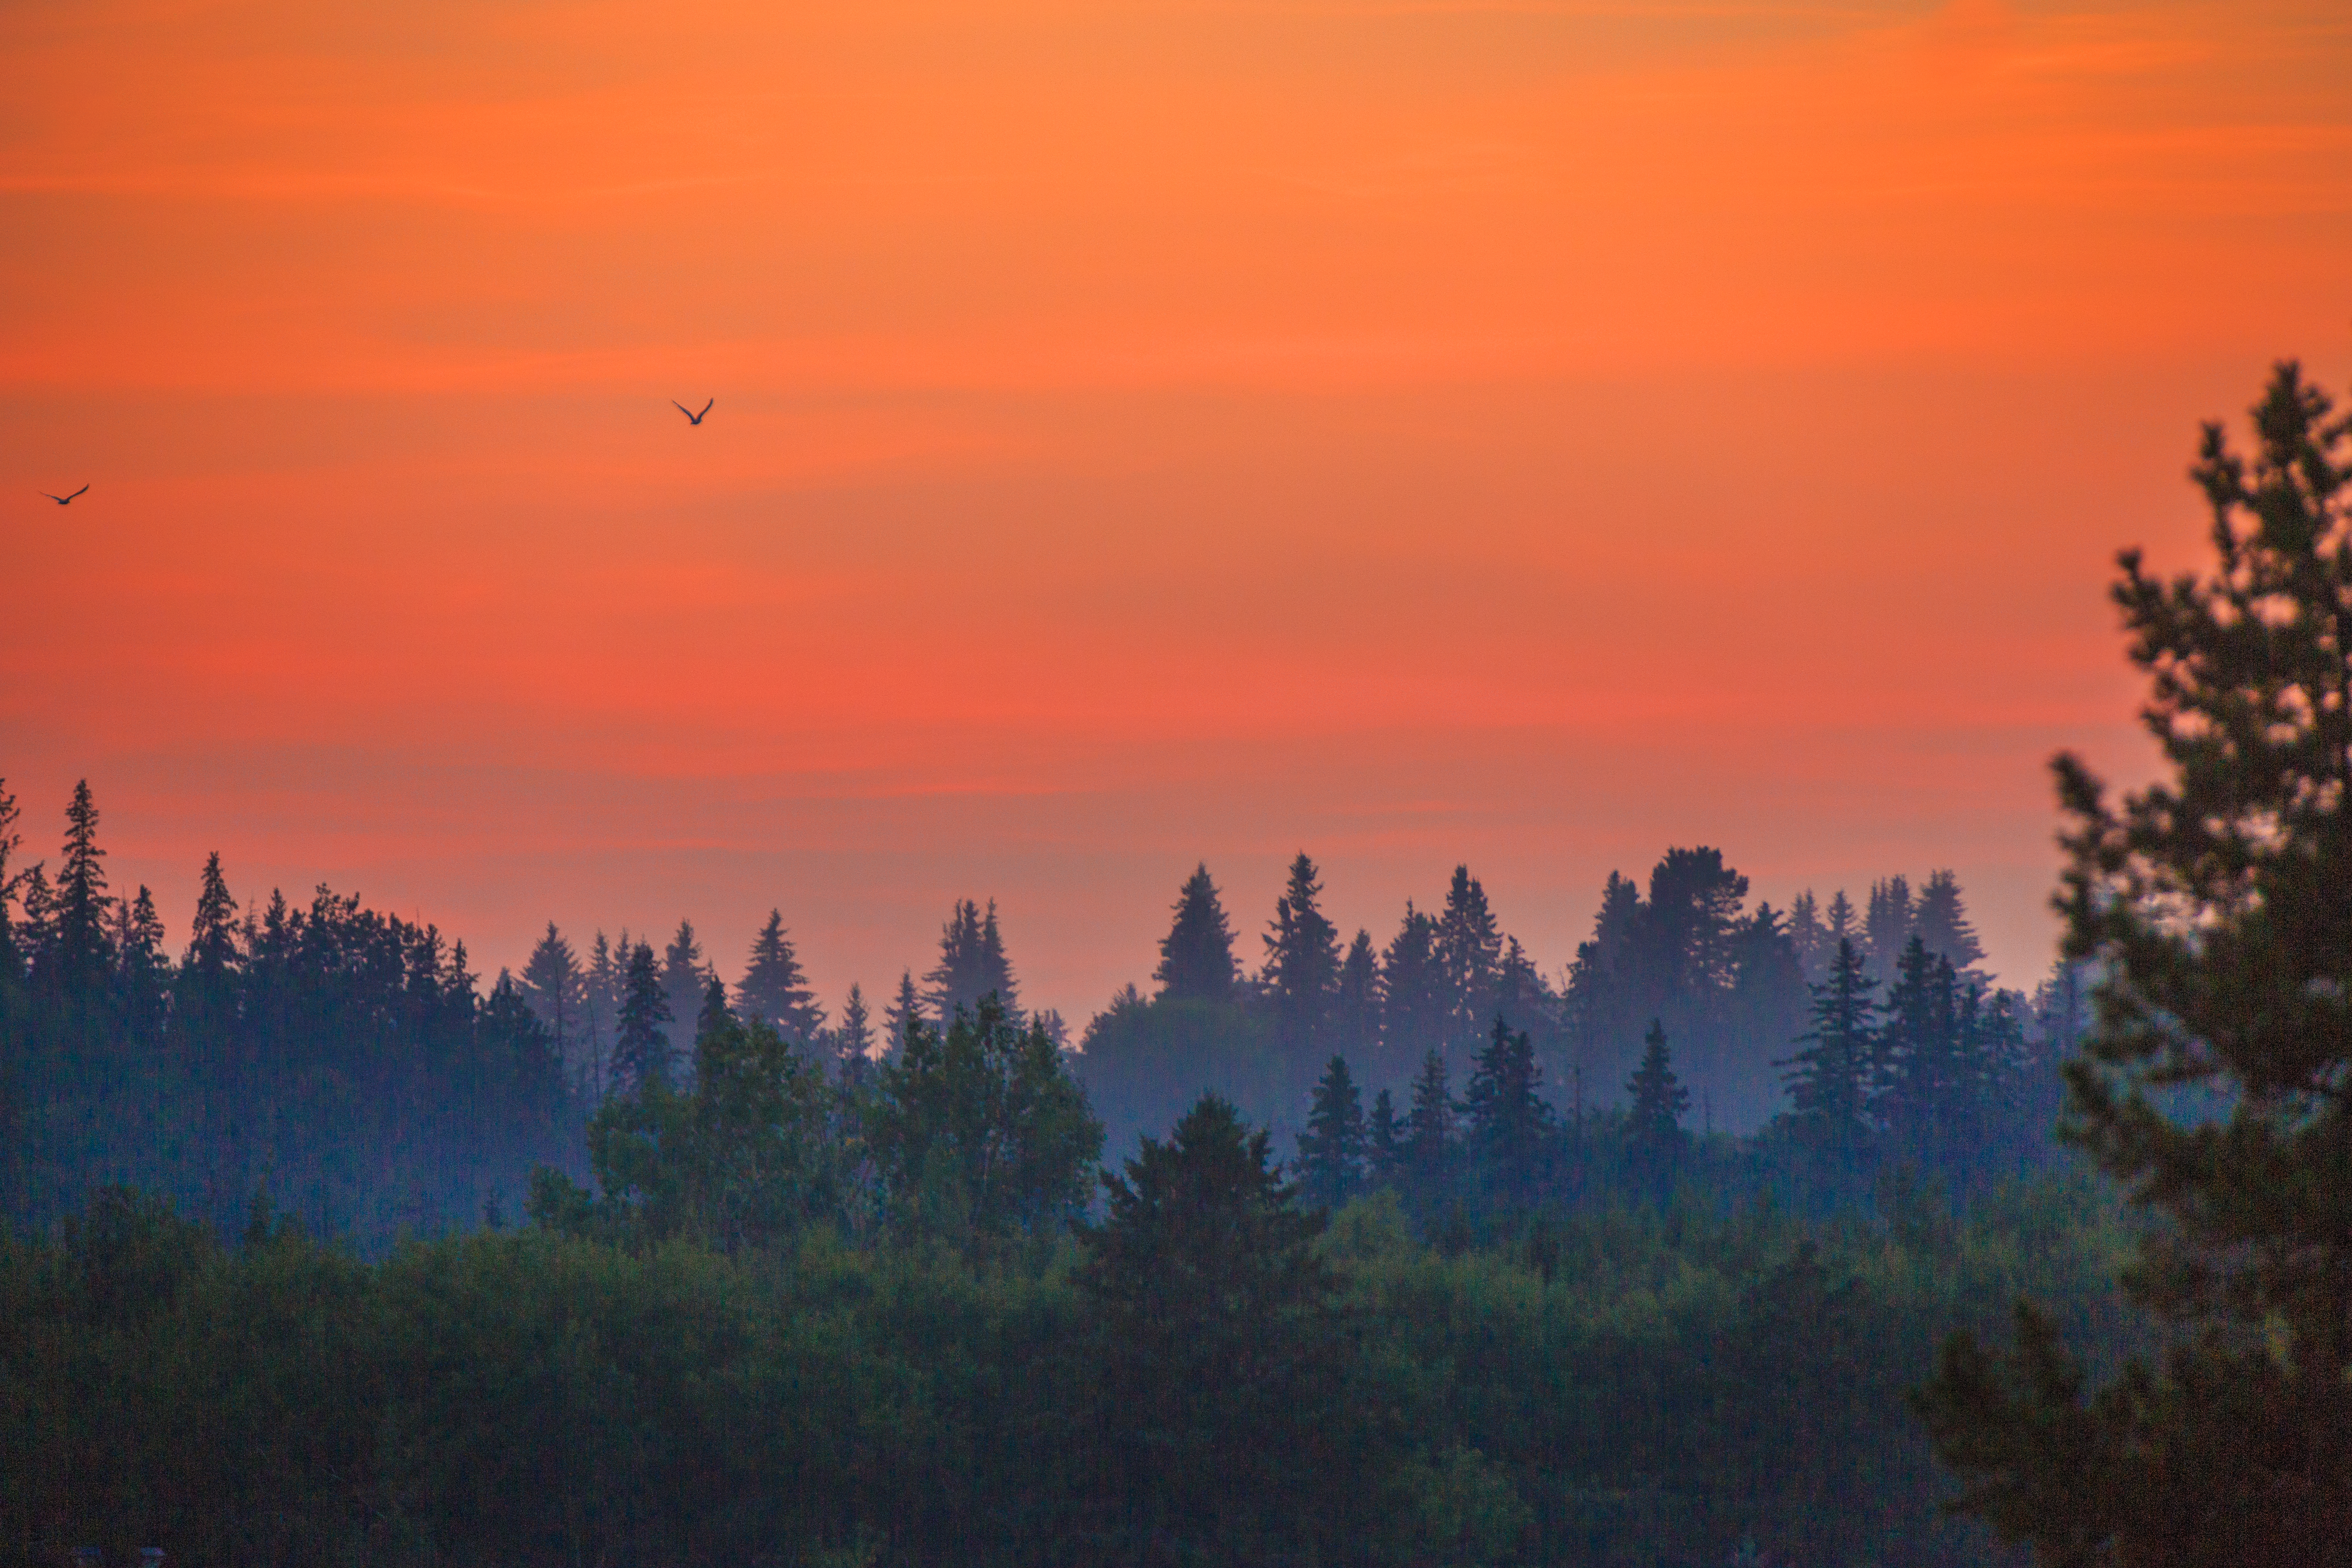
x: 1521, y: 433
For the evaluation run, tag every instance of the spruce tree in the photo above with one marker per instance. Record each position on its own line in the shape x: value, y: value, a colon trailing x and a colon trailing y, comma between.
x: 854, y: 1041
x: 1302, y: 960
x: 1841, y: 924
x: 1355, y: 1026
x: 1468, y: 949
x: 1412, y: 994
x: 1917, y: 1066
x: 2215, y: 907
x: 556, y: 990
x: 12, y: 962
x: 1511, y: 1129
x: 1886, y: 930
x: 600, y: 1011
x: 1660, y: 1101
x: 973, y: 965
x: 1331, y: 1151
x: 684, y: 973
x: 641, y: 1051
x: 1829, y: 1083
x: 1429, y: 1146
x: 142, y: 971
x: 1196, y: 956
x: 81, y: 953
x: 905, y: 1011
x: 775, y: 990
x: 1942, y: 922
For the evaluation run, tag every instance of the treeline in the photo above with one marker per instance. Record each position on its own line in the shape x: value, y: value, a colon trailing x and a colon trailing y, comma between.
x: 350, y: 1063
x: 670, y: 1371
x: 1847, y: 1047
x: 345, y: 1062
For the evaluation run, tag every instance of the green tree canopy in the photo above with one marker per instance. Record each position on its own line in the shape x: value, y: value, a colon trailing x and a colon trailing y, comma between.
x: 2216, y: 1082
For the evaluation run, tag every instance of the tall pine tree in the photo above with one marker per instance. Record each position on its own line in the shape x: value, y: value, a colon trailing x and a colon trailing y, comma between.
x: 1331, y: 1151
x: 773, y: 990
x: 1302, y: 961
x: 1196, y: 956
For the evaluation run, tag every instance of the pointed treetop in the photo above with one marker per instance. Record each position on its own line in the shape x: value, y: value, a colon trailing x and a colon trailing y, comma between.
x: 1196, y: 956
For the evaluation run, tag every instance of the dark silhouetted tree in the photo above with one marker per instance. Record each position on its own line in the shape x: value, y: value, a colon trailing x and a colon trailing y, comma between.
x: 1412, y: 995
x: 855, y: 1043
x: 1331, y: 1151
x: 973, y: 965
x: 684, y: 973
x: 1384, y: 1142
x: 641, y: 1048
x: 1196, y: 956
x: 1355, y: 1024
x: 1469, y: 954
x: 774, y: 991
x: 1941, y: 921
x: 557, y: 990
x: 2216, y: 907
x: 1429, y: 1146
x: 1829, y: 1080
x: 1302, y: 961
x: 905, y: 1007
x: 1655, y: 1123
x: 1510, y: 1128
x: 1223, y: 1369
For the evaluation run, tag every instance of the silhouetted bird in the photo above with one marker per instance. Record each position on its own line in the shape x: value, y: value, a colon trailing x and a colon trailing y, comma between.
x: 66, y: 501
x: 691, y: 417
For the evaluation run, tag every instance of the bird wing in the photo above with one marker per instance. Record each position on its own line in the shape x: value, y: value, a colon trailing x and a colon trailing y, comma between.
x: 707, y: 408
x: 76, y: 492
x: 681, y: 407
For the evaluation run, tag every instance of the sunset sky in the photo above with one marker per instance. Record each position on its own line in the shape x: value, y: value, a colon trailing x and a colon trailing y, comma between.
x: 1522, y: 434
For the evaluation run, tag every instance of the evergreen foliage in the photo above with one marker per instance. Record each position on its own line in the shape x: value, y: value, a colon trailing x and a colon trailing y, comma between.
x: 1196, y: 956
x: 641, y: 1047
x: 2216, y: 905
x: 1301, y: 978
x: 1223, y: 1409
x: 1331, y: 1151
x: 1659, y: 1101
x: 1511, y: 1130
x: 972, y: 966
x: 773, y: 990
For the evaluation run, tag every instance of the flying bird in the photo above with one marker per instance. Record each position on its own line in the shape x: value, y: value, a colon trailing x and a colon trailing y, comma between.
x: 67, y: 500
x: 691, y: 417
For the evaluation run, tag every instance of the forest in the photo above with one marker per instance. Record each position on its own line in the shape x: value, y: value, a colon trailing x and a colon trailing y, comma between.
x: 322, y: 1245
x: 318, y: 1249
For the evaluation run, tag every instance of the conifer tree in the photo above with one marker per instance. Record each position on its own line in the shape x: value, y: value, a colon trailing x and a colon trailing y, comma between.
x: 1196, y: 956
x: 1429, y: 1132
x: 1886, y: 930
x: 773, y: 990
x: 1412, y: 994
x: 2213, y: 906
x: 1942, y: 922
x: 1511, y: 1129
x: 1468, y: 949
x: 1841, y: 924
x: 714, y: 1015
x: 1829, y: 1083
x: 1660, y: 1101
x: 82, y: 953
x: 854, y: 1041
x: 684, y: 974
x: 1331, y: 1151
x: 641, y: 1051
x: 905, y: 1010
x: 973, y: 965
x: 556, y: 990
x: 142, y: 970
x: 1302, y: 960
x: 1356, y: 1010
x: 1812, y: 939
x: 1918, y: 1068
x: 11, y: 884
x: 600, y: 1012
